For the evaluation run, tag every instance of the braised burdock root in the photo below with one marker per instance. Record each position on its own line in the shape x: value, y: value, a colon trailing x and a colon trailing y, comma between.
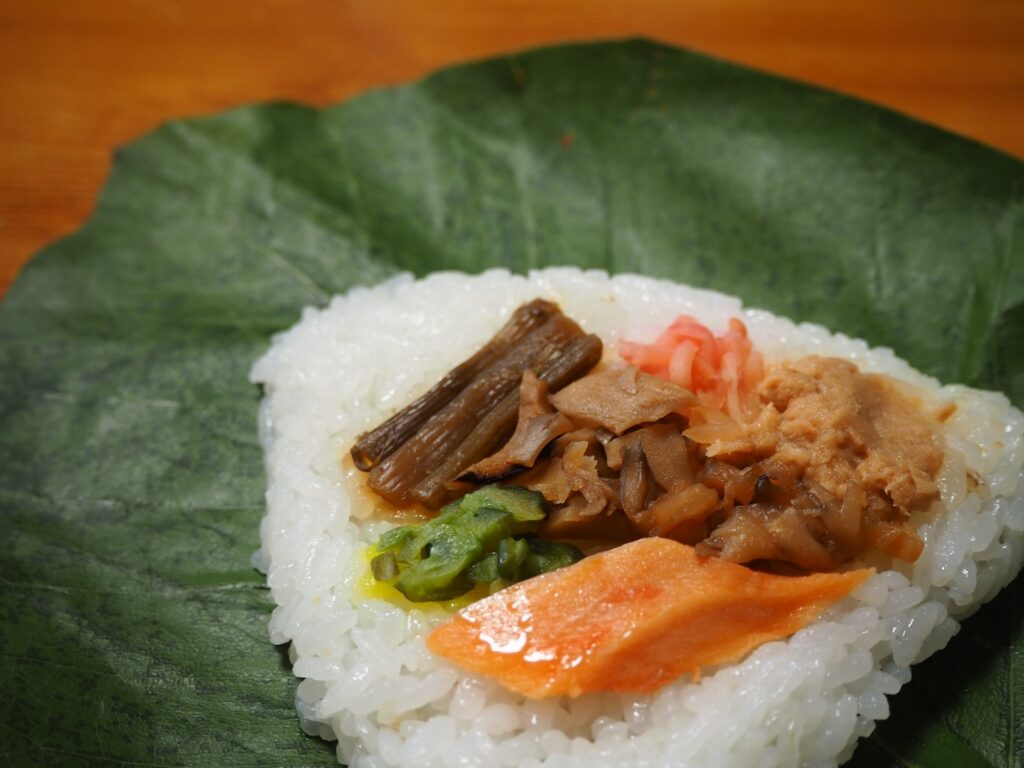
x: 472, y: 411
x: 373, y: 446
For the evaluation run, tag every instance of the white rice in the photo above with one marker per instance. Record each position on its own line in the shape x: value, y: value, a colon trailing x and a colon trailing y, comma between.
x: 369, y: 681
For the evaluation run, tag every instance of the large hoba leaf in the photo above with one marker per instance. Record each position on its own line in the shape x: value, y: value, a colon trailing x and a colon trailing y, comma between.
x: 131, y: 484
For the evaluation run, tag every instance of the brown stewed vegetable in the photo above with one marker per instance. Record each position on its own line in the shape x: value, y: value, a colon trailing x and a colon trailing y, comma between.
x: 559, y: 366
x: 445, y: 437
x: 806, y: 467
x: 373, y: 446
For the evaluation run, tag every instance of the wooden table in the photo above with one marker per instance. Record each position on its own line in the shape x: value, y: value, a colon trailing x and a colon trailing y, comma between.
x: 79, y: 78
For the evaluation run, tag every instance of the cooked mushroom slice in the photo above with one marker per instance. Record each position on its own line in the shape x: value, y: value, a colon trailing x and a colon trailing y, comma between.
x: 559, y: 366
x: 620, y: 398
x: 636, y: 484
x: 538, y: 424
x: 666, y: 451
x: 595, y: 443
x: 550, y: 479
x: 802, y: 541
x: 760, y: 532
x: 744, y: 537
x: 574, y: 471
x: 735, y: 485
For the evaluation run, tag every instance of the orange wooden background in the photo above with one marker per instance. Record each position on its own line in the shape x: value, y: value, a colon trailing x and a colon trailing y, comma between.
x: 79, y: 78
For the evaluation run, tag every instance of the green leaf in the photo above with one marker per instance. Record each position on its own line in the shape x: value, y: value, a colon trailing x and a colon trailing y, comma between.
x: 131, y: 486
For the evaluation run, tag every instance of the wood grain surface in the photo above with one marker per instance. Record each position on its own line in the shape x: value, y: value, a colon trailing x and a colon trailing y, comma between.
x: 80, y: 78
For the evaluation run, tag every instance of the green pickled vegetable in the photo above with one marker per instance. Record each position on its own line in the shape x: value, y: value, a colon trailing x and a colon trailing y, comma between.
x: 528, y: 508
x: 485, y: 571
x: 511, y: 554
x: 548, y: 556
x: 439, y: 574
x: 482, y: 538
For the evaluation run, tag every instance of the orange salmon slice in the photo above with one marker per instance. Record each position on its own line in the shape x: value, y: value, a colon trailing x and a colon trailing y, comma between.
x: 631, y: 619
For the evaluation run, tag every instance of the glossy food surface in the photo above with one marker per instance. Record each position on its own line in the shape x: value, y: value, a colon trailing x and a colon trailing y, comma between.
x: 631, y: 619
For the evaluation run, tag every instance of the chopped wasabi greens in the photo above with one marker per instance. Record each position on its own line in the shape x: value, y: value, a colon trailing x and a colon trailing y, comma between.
x: 482, y: 538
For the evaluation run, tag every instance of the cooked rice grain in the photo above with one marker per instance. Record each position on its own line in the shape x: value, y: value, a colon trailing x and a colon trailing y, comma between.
x: 370, y: 682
